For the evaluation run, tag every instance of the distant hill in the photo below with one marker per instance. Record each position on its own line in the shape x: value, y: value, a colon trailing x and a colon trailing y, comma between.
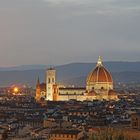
x: 74, y: 73
x: 113, y: 66
x: 123, y: 77
x: 23, y: 67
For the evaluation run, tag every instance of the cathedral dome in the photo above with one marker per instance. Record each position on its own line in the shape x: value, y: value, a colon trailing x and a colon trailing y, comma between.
x: 100, y: 74
x: 99, y: 79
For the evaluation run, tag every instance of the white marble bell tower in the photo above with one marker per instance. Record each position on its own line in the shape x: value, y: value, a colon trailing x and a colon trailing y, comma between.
x: 50, y: 81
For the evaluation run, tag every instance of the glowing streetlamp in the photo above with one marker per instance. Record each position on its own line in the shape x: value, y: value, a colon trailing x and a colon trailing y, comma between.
x: 16, y: 89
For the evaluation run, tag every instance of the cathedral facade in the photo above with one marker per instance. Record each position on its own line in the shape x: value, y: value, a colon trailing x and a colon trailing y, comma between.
x: 99, y: 86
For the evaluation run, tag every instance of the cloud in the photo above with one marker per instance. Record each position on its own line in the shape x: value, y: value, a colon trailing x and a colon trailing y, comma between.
x: 56, y: 2
x: 100, y: 7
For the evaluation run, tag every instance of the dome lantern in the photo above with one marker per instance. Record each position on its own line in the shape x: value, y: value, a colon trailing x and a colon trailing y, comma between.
x: 99, y: 63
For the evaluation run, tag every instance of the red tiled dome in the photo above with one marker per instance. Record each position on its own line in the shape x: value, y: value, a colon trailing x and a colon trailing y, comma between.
x: 111, y: 92
x: 91, y: 93
x: 99, y: 75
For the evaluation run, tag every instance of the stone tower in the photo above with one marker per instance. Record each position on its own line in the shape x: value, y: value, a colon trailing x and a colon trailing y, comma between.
x: 50, y: 81
x: 38, y: 91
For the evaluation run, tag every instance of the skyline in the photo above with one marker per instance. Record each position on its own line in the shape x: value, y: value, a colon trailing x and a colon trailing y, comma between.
x: 55, y: 32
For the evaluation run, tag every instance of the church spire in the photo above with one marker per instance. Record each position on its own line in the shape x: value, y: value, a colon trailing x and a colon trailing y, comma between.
x: 38, y: 82
x: 38, y: 91
x: 100, y: 62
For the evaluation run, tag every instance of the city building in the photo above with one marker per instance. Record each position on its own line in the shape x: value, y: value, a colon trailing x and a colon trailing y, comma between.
x: 66, y: 135
x: 40, y: 91
x: 99, y: 86
x: 135, y: 121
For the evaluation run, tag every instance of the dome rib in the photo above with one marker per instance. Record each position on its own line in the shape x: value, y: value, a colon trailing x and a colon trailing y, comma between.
x: 98, y: 74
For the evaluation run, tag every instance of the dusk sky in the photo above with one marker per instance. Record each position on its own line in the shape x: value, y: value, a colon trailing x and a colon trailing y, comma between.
x: 54, y: 32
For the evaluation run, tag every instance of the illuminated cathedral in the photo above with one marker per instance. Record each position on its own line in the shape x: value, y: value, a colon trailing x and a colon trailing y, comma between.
x: 99, y: 86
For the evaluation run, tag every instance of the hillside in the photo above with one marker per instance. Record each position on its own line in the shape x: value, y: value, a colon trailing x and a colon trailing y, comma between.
x: 74, y: 73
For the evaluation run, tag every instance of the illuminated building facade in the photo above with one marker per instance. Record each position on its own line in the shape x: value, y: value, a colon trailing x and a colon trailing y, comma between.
x: 135, y: 121
x: 66, y: 135
x: 99, y: 86
x: 40, y: 91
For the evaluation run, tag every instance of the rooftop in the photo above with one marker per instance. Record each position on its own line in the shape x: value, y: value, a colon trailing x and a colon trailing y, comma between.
x: 74, y: 132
